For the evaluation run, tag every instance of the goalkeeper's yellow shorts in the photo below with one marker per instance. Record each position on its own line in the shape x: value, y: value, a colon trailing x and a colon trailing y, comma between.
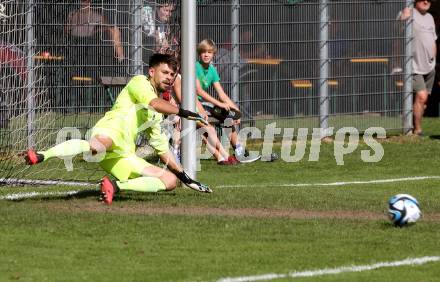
x: 121, y: 160
x: 122, y: 146
x: 125, y: 168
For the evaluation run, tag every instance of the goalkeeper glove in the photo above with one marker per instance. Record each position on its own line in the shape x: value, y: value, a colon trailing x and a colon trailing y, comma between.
x: 191, y: 183
x: 191, y: 116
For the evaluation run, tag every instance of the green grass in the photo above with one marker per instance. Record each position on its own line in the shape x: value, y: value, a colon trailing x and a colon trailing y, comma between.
x: 255, y: 229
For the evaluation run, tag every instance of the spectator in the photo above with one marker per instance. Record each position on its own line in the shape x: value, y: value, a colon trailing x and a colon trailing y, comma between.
x: 250, y: 47
x: 437, y: 28
x: 424, y: 57
x: 207, y: 76
x: 156, y: 25
x: 210, y: 138
x: 249, y: 50
x: 12, y: 82
x: 86, y: 27
x: 86, y: 22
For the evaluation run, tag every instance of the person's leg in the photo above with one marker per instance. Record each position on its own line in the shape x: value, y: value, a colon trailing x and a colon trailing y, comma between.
x: 422, y: 85
x: 239, y: 150
x: 213, y: 150
x: 233, y: 138
x: 97, y: 144
x: 213, y: 144
x: 177, y: 138
x: 418, y: 110
x: 241, y: 153
x: 136, y: 174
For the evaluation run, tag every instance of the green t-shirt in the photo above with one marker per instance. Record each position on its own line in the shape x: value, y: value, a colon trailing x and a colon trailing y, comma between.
x: 207, y: 76
x: 131, y: 115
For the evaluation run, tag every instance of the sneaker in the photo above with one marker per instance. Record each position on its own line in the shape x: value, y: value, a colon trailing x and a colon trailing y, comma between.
x: 246, y: 153
x: 229, y: 161
x: 31, y: 157
x: 233, y: 159
x: 108, y: 189
x: 246, y: 158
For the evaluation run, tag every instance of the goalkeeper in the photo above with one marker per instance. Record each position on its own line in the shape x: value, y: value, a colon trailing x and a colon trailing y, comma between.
x: 136, y: 110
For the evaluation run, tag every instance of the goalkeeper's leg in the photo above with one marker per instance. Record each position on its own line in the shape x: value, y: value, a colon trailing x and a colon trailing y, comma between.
x: 135, y: 174
x: 68, y: 148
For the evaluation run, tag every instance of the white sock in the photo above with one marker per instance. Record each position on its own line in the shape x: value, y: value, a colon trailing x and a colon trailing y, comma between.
x: 239, y: 150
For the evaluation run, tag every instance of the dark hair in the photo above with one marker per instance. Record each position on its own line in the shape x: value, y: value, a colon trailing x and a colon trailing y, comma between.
x: 158, y: 58
x: 164, y: 2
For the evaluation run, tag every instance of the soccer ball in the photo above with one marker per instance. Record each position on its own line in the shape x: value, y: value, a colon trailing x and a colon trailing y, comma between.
x: 403, y: 209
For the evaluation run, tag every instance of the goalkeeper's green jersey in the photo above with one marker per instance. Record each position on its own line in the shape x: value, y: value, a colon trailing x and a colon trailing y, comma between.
x: 131, y: 115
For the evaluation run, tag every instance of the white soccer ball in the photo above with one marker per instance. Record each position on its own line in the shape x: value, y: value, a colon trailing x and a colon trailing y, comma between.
x: 403, y: 209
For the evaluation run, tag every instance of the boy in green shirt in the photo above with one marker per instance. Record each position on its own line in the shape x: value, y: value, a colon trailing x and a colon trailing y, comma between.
x: 207, y: 75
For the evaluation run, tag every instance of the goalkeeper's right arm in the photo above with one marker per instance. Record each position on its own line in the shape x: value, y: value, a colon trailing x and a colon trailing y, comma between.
x: 165, y: 107
x: 191, y: 116
x: 191, y: 183
x: 181, y: 174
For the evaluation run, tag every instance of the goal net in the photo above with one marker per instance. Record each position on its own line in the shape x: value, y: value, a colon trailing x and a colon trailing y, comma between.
x: 62, y: 64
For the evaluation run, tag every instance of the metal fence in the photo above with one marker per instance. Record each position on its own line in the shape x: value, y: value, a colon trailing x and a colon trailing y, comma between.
x: 280, y: 61
x: 315, y: 63
x: 297, y: 55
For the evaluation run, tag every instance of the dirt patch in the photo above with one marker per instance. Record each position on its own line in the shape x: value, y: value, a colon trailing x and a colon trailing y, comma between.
x: 142, y: 209
x: 401, y: 139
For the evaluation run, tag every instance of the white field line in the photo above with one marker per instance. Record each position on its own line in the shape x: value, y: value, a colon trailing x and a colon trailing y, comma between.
x: 27, y: 195
x: 12, y: 181
x: 415, y: 178
x: 20, y: 196
x: 326, y: 271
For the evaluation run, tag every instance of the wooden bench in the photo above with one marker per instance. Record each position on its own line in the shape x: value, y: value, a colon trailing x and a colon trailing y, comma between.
x: 108, y: 81
x: 86, y: 79
x: 308, y: 83
x: 114, y: 80
x: 369, y: 60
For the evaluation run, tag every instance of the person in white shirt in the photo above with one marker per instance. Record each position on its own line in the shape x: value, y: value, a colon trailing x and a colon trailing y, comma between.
x: 424, y: 57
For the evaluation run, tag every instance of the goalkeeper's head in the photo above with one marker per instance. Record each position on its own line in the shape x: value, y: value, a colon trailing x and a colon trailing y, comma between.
x: 158, y: 58
x: 162, y: 71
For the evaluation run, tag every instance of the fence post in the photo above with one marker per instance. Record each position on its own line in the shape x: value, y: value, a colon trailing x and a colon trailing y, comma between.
x: 323, y: 66
x: 135, y: 41
x: 235, y: 40
x: 30, y: 80
x: 408, y: 87
x: 189, y: 40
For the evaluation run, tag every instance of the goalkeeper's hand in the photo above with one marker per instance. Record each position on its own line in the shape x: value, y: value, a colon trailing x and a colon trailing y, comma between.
x: 191, y: 116
x: 191, y: 183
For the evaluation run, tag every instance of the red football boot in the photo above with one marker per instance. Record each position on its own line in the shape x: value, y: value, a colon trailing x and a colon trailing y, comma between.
x: 108, y: 189
x: 31, y: 157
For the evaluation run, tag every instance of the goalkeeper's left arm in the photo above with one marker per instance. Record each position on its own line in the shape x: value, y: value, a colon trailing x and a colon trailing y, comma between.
x: 168, y: 159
